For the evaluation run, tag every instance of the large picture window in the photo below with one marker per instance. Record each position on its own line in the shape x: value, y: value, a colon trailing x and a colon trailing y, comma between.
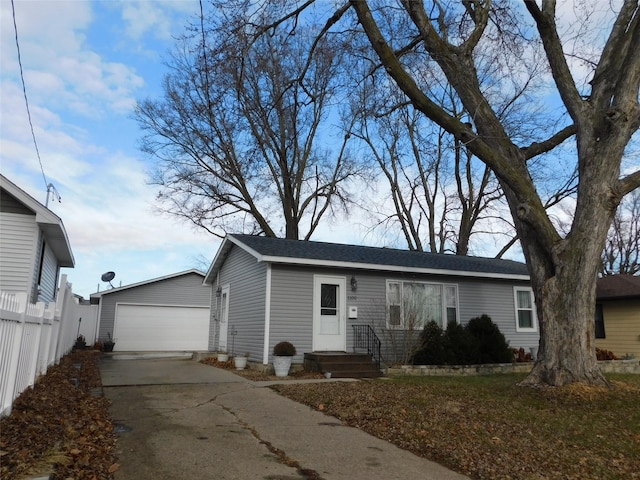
x: 525, y: 310
x: 411, y: 305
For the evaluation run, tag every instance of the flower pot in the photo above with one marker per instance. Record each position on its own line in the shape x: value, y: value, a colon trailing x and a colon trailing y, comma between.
x: 108, y: 346
x: 281, y: 365
x: 240, y: 362
x: 223, y: 357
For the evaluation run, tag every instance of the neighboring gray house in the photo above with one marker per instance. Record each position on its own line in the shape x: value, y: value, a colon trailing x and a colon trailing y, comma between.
x: 169, y: 313
x: 33, y: 245
x: 316, y: 295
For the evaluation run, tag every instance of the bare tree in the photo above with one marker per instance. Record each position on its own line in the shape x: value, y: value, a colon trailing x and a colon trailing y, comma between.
x: 621, y: 253
x: 235, y: 138
x: 603, y: 119
x: 600, y: 116
x: 439, y: 192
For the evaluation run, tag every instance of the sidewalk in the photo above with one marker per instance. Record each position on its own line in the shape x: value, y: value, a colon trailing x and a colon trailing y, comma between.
x: 180, y: 419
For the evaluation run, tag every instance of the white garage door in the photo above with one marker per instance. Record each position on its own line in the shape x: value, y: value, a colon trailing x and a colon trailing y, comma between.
x: 161, y: 328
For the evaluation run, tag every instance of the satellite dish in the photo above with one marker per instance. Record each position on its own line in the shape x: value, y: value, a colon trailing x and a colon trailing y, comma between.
x: 107, y: 277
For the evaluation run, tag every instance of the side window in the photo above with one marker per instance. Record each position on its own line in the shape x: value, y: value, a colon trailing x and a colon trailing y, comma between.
x: 451, y: 303
x: 394, y: 305
x: 525, y: 310
x: 600, y: 333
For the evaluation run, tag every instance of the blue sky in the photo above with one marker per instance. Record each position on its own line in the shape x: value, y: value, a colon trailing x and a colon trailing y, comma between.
x: 85, y: 64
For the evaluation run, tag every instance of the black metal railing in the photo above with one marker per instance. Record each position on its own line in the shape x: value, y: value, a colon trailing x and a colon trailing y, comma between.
x: 365, y: 338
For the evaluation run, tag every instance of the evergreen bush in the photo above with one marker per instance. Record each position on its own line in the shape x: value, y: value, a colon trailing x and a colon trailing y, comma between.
x: 480, y: 341
x: 460, y: 348
x: 491, y: 345
x: 431, y: 349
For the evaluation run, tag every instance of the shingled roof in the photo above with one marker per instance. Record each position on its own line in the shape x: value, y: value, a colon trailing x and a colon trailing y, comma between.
x: 618, y: 287
x: 284, y: 251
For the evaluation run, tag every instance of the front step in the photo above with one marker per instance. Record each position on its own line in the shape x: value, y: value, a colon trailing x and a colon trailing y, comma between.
x: 342, y: 364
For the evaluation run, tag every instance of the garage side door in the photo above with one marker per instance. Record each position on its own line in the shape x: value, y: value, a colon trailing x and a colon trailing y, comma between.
x: 161, y: 328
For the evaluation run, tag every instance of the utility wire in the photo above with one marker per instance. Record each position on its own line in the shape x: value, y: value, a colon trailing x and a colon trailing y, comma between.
x: 26, y: 100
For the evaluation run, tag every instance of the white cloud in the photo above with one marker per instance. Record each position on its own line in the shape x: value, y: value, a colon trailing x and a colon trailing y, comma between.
x: 154, y: 18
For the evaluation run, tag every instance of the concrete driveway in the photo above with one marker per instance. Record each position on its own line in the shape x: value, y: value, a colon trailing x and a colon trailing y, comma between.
x: 179, y: 419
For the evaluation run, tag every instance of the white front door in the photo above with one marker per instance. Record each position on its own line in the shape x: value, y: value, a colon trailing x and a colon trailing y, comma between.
x: 329, y: 313
x: 224, y: 318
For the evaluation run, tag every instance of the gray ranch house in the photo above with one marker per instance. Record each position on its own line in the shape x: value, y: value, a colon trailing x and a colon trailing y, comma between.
x: 33, y: 245
x: 326, y: 297
x: 169, y: 313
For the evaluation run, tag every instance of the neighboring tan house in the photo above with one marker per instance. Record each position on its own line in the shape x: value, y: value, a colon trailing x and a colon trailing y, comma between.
x: 169, y: 313
x: 618, y: 314
x: 33, y: 245
x: 319, y: 296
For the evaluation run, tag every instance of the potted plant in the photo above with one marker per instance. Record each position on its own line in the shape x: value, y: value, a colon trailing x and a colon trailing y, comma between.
x: 223, y: 356
x: 80, y: 344
x: 109, y: 344
x: 241, y: 362
x: 282, y: 356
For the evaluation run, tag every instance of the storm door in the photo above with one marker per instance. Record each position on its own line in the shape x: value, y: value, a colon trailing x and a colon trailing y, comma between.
x: 329, y: 315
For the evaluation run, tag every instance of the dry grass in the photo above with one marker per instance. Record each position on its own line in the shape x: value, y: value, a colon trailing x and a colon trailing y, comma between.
x: 489, y: 428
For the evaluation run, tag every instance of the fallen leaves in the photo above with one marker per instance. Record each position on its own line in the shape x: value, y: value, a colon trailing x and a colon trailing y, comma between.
x: 489, y: 428
x: 60, y: 428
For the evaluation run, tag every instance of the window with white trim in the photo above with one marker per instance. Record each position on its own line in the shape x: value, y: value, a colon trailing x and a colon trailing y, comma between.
x: 411, y: 305
x: 525, y: 310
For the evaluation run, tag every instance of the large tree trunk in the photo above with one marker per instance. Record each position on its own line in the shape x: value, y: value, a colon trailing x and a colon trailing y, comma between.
x: 564, y: 273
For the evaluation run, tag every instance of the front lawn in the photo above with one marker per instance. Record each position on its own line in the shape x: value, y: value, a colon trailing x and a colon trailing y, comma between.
x: 489, y: 428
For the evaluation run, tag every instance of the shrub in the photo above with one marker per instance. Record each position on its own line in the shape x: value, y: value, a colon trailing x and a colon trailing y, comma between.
x: 480, y: 341
x: 459, y: 345
x: 491, y: 345
x: 284, y: 349
x: 602, y: 354
x: 431, y: 349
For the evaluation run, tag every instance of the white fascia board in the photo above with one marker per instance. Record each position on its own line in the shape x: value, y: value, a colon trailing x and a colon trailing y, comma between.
x: 390, y: 268
x: 225, y: 246
x: 217, y: 261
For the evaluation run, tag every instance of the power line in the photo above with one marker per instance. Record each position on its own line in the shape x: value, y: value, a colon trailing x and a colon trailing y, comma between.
x: 26, y: 100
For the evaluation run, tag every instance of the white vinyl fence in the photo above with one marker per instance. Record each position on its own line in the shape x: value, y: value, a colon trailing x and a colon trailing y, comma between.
x: 32, y: 338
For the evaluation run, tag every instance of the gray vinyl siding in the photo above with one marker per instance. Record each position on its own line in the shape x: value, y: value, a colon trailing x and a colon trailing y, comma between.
x: 292, y: 308
x: 495, y: 299
x: 246, y: 279
x: 185, y: 290
x: 49, y: 276
x: 17, y: 251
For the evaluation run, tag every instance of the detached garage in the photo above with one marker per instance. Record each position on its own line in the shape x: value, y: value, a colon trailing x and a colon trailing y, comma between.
x: 169, y: 313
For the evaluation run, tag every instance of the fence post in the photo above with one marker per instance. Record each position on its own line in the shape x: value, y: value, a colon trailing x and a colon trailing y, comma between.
x: 61, y: 315
x: 45, y: 342
x: 14, y: 356
x: 33, y: 367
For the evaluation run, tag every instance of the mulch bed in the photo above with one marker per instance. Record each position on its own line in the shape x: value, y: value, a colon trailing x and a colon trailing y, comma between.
x: 258, y: 376
x: 61, y: 426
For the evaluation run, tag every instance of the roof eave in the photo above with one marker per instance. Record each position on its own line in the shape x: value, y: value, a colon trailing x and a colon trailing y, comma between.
x: 391, y: 268
x: 221, y: 255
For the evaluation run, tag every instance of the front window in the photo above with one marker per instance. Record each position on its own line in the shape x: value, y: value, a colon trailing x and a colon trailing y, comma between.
x: 525, y: 310
x: 411, y: 305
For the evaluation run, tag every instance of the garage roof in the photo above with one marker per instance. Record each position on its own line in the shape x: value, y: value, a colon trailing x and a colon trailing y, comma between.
x: 146, y: 282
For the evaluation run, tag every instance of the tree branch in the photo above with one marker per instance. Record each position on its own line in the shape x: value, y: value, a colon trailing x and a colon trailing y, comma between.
x: 545, y: 21
x: 539, y: 148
